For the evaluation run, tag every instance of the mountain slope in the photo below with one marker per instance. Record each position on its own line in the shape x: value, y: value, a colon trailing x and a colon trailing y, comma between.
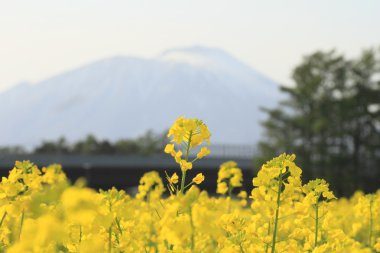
x: 124, y: 96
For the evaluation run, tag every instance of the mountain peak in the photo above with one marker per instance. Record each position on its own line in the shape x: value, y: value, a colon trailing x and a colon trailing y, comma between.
x: 199, y: 56
x: 122, y: 97
x: 198, y: 50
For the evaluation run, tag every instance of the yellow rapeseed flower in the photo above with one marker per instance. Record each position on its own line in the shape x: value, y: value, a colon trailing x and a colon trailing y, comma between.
x: 174, y: 178
x: 169, y: 149
x: 40, y: 211
x: 185, y: 165
x: 203, y: 152
x: 199, y: 178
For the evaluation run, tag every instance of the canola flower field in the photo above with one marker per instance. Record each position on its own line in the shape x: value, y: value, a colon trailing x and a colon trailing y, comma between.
x: 42, y: 212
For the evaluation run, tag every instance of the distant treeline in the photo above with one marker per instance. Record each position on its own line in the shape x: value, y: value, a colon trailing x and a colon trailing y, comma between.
x: 147, y: 144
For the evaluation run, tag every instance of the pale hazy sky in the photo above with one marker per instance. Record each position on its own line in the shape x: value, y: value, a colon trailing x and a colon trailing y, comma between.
x: 40, y: 38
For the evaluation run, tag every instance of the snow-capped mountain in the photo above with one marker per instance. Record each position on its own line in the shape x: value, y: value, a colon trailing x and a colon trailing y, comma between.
x: 122, y: 97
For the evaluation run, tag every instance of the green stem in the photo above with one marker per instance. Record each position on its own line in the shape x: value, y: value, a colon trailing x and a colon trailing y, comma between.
x: 148, y: 197
x: 21, y: 224
x: 241, y: 248
x: 316, y: 225
x: 110, y: 239
x: 188, y: 146
x: 3, y: 218
x: 192, y: 230
x: 80, y: 234
x: 159, y: 216
x: 196, y: 158
x: 230, y: 188
x: 183, y: 179
x: 189, y: 184
x: 118, y: 225
x: 267, y: 245
x: 277, y: 212
x: 370, y: 221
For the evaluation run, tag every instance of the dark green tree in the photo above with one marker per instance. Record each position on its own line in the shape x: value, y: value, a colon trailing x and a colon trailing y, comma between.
x: 126, y: 147
x: 89, y: 145
x: 53, y: 147
x: 151, y: 143
x: 147, y: 144
x: 330, y: 120
x: 12, y: 150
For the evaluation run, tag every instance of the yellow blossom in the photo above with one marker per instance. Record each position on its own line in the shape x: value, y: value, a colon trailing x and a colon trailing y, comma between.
x: 222, y: 188
x: 185, y: 165
x: 203, y: 152
x: 169, y: 149
x: 199, y: 178
x: 41, y: 211
x: 174, y: 178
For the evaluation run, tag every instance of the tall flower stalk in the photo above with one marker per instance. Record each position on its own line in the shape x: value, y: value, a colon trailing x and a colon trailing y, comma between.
x: 316, y: 224
x: 370, y: 196
x: 315, y: 190
x: 183, y: 179
x: 269, y: 188
x: 277, y: 212
x: 187, y: 134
